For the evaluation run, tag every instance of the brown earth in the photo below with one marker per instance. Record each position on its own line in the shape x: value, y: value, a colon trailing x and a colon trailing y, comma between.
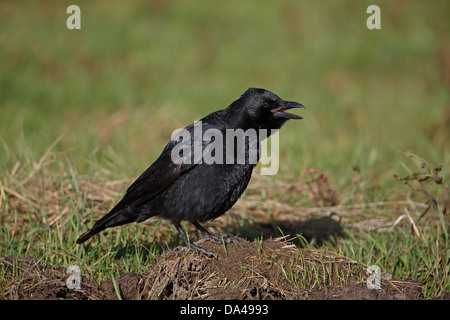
x: 269, y: 269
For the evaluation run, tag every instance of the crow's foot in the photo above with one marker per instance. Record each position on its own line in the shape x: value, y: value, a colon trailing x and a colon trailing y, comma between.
x: 196, y: 249
x: 220, y: 239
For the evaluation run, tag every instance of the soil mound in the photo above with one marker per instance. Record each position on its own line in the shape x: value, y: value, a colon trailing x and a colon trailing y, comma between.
x: 244, y: 270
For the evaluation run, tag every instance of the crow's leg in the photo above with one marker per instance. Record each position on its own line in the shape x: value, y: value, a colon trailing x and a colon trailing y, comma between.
x: 225, y: 237
x: 190, y: 245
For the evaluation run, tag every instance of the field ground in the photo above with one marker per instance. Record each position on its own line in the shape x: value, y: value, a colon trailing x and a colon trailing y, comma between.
x: 324, y: 259
x: 363, y: 178
x: 270, y: 269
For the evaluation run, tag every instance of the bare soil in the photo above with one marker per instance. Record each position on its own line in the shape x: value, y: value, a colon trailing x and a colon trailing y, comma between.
x: 244, y: 270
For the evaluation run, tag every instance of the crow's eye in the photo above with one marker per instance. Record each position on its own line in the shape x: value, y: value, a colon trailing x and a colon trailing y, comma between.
x: 266, y: 104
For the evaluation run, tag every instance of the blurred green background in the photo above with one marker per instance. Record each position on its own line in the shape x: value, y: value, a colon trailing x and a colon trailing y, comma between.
x: 109, y: 95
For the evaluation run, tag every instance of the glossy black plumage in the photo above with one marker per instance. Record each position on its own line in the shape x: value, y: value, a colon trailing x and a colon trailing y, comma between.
x: 193, y: 191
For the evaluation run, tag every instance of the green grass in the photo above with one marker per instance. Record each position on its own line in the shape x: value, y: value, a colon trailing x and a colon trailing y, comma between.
x: 418, y: 248
x: 98, y: 104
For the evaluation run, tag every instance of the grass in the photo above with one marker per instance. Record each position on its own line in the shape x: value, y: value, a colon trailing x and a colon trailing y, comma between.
x: 312, y: 268
x: 401, y: 254
x: 84, y: 112
x: 417, y: 249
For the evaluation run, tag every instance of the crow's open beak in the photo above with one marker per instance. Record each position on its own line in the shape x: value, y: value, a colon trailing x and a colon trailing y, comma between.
x: 279, y: 112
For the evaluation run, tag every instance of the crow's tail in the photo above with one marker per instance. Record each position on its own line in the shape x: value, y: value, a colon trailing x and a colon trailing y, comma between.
x: 88, y: 234
x: 115, y: 217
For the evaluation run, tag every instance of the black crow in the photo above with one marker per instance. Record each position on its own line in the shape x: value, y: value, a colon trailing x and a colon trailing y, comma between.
x: 185, y: 184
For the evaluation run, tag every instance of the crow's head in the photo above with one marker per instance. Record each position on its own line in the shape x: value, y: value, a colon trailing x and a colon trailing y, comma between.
x: 264, y: 109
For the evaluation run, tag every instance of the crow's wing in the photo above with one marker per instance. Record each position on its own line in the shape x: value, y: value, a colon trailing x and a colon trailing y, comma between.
x: 161, y: 174
x: 164, y: 171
